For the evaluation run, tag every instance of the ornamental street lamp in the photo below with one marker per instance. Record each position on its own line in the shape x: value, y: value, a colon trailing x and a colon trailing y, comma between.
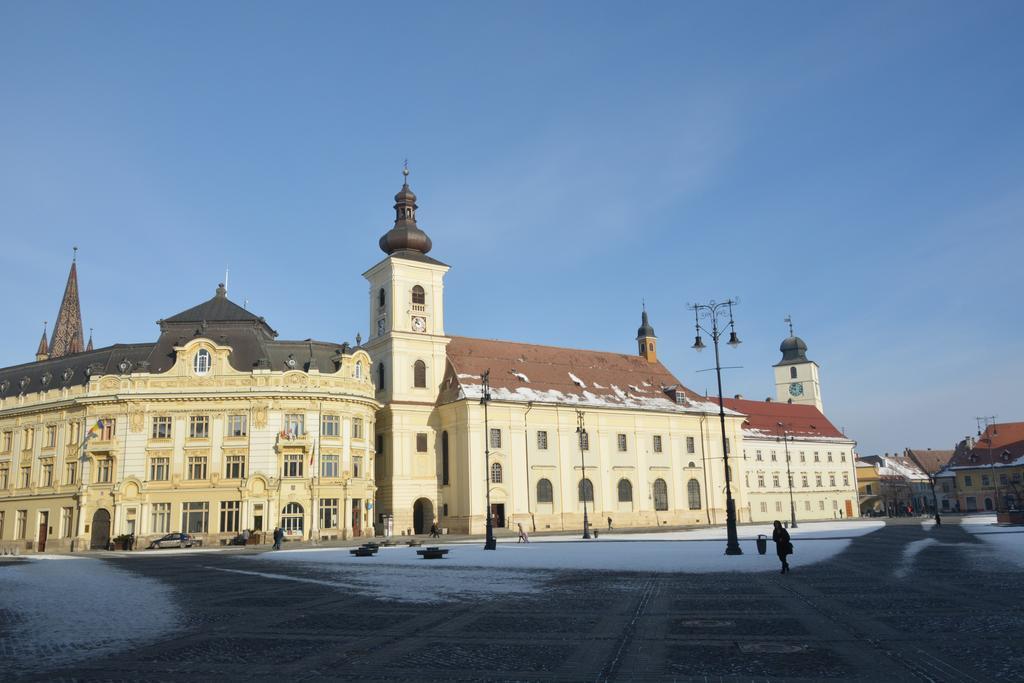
x: 786, y: 438
x: 485, y: 398
x: 710, y: 313
x: 581, y: 431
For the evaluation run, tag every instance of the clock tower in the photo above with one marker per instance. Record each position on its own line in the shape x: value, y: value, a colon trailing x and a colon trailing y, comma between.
x: 796, y: 377
x: 407, y: 344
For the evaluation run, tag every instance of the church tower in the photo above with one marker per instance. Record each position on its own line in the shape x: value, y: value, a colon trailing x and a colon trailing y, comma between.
x: 646, y: 340
x: 67, y: 331
x: 407, y: 344
x: 796, y: 377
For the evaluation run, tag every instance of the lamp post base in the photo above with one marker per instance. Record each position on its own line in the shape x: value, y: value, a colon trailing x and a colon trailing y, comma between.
x: 733, y: 550
x: 491, y: 544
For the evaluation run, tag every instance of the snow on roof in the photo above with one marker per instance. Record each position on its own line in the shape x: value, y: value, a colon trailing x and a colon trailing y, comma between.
x: 567, y: 376
x: 800, y: 421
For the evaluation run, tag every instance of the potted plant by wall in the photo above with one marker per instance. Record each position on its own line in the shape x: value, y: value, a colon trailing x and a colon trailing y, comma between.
x: 121, y: 542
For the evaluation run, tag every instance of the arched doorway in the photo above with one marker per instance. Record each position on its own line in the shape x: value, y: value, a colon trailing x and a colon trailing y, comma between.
x: 422, y: 515
x: 100, y: 530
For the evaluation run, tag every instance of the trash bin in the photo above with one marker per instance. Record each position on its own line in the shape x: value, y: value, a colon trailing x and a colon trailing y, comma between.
x: 762, y: 544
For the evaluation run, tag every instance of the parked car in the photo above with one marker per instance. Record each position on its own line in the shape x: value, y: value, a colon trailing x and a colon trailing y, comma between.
x: 176, y: 540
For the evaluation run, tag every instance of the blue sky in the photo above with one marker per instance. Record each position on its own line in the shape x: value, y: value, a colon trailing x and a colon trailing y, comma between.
x: 857, y: 165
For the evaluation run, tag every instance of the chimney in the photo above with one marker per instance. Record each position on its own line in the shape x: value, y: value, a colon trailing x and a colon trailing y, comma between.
x: 738, y: 397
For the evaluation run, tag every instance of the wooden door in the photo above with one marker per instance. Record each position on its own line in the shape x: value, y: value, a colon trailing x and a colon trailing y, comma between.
x: 849, y: 508
x: 44, y: 520
x: 100, y: 530
x: 357, y: 527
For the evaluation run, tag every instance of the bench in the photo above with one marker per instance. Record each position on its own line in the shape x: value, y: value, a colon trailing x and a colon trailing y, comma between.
x: 433, y: 553
x: 364, y: 551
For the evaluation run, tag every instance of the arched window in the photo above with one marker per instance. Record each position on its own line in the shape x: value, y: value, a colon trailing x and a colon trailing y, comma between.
x: 444, y: 458
x: 201, y: 363
x: 381, y: 297
x: 660, y: 494
x: 586, y: 491
x: 792, y: 371
x: 418, y: 297
x: 693, y: 493
x: 496, y: 473
x: 380, y: 377
x: 291, y: 518
x: 545, y: 494
x: 419, y: 374
x: 358, y: 372
x: 625, y: 491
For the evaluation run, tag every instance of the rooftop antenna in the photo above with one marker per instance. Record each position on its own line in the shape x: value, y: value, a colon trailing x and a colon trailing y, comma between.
x: 789, y: 321
x: 226, y: 271
x: 985, y: 421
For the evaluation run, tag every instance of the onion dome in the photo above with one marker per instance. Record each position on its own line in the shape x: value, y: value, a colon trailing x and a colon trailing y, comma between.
x: 645, y: 329
x: 794, y: 350
x: 405, y: 235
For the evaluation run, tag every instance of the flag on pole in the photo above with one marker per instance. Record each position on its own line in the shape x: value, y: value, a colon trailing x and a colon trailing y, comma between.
x: 94, y: 431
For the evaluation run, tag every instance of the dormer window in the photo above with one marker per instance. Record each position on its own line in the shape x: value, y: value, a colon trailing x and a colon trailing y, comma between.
x: 202, y: 362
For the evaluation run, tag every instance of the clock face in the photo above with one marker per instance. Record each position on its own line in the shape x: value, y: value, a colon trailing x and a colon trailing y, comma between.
x: 796, y: 389
x: 419, y: 324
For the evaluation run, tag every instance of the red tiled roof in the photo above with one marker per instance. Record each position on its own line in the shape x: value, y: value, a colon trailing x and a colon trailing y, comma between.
x: 931, y: 460
x: 531, y: 372
x: 800, y: 420
x: 1006, y: 447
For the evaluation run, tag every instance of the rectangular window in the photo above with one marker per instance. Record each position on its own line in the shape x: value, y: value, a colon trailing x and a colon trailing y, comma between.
x: 329, y: 513
x: 230, y: 511
x: 775, y: 480
x: 26, y: 477
x: 103, y: 471
x: 821, y: 505
x: 328, y: 465
x: 542, y: 440
x: 495, y: 438
x: 621, y: 440
x: 159, y: 469
x: 1004, y: 480
x: 867, y: 489
x: 74, y: 431
x: 760, y: 480
x: 690, y: 445
x: 238, y: 426
x: 774, y: 459
x: 70, y: 473
x: 968, y: 481
x: 330, y: 425
x: 357, y: 428
x: 66, y: 522
x: 199, y: 427
x: 234, y: 467
x: 46, y: 475
x: 584, y: 441
x: 357, y: 466
x: 842, y: 457
x: 831, y: 480
x: 807, y: 505
x: 295, y: 424
x: 5, y: 475
x: 817, y: 459
x: 195, y: 518
x: 657, y: 443
x: 196, y: 467
x: 20, y: 524
x: 27, y: 437
x: 161, y: 427
x: 421, y: 443
x: 292, y: 465
x: 109, y: 429
x: 803, y: 481
x: 829, y: 456
x: 160, y: 518
x: 846, y: 479
x: 758, y: 456
x: 51, y: 437
x: 764, y: 507
x: 803, y: 458
x: 984, y: 480
x: 817, y: 480
x: 8, y: 441
x: 778, y: 506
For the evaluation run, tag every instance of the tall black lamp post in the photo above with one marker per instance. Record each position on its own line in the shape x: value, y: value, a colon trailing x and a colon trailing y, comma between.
x: 786, y: 438
x: 581, y: 430
x: 710, y: 314
x: 485, y: 398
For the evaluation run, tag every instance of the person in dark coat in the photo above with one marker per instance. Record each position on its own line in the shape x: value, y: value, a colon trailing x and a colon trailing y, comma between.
x: 434, y: 531
x: 278, y: 538
x: 783, y: 546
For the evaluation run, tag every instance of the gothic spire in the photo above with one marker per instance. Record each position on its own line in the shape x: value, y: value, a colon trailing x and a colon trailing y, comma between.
x: 43, y: 351
x: 67, y: 331
x: 88, y: 347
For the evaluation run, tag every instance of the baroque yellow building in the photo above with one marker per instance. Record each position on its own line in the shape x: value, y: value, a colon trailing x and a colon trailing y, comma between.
x: 215, y: 428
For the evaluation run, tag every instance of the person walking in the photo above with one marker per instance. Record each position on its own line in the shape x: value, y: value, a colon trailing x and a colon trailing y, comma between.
x: 434, y: 531
x: 523, y: 536
x: 609, y: 524
x: 278, y: 537
x: 783, y: 546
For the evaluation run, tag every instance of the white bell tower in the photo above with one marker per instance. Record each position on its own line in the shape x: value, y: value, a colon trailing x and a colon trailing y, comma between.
x: 796, y: 377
